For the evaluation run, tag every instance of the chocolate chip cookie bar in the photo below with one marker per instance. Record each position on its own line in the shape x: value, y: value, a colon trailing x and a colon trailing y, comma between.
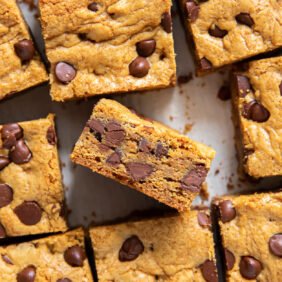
x: 224, y: 32
x: 257, y: 103
x: 31, y: 192
x: 251, y: 233
x: 21, y: 66
x: 58, y: 258
x: 172, y: 248
x: 143, y: 154
x: 99, y: 47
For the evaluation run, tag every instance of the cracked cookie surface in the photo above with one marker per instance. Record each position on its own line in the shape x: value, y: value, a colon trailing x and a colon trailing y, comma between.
x: 257, y: 104
x: 59, y: 258
x: 228, y: 31
x: 31, y: 192
x: 172, y: 248
x: 250, y: 227
x: 21, y: 64
x: 107, y: 46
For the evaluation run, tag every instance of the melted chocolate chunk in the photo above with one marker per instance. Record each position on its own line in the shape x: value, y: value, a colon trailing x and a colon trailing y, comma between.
x: 194, y: 178
x: 139, y: 171
x: 6, y: 195
x: 51, y: 135
x: 192, y: 10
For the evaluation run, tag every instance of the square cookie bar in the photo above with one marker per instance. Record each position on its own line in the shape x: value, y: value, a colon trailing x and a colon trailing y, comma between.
x: 99, y: 47
x: 21, y: 66
x: 257, y: 107
x: 172, y: 248
x: 224, y: 32
x: 31, y: 192
x: 58, y: 258
x: 143, y: 154
x: 251, y: 233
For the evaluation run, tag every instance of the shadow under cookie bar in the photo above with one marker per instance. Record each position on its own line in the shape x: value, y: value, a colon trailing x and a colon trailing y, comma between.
x: 60, y: 258
x: 256, y: 98
x: 107, y: 47
x: 31, y: 191
x: 224, y: 32
x: 143, y: 154
x: 250, y: 229
x: 21, y: 65
x: 172, y: 248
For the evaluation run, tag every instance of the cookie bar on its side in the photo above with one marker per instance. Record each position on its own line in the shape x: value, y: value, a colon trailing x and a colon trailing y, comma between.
x: 257, y: 108
x: 58, y: 258
x: 31, y: 192
x: 172, y: 248
x: 251, y: 232
x: 143, y: 154
x: 224, y: 32
x: 99, y: 47
x: 21, y: 66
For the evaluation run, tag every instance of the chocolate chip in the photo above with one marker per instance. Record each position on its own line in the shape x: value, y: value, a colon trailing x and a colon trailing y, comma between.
x: 204, y: 219
x: 6, y: 195
x: 192, y: 10
x: 131, y: 249
x: 139, y: 171
x: 6, y: 259
x: 64, y: 72
x: 114, y: 126
x: 275, y: 244
x: 114, y: 159
x: 75, y: 256
x: 205, y: 64
x: 250, y: 267
x: 97, y: 127
x: 224, y: 93
x: 209, y: 271
x: 2, y: 231
x: 93, y: 7
x: 24, y: 50
x: 144, y: 146
x: 161, y: 151
x: 27, y: 274
x: 115, y: 134
x: 4, y: 162
x: 244, y: 18
x: 217, y: 32
x: 280, y: 88
x: 10, y: 133
x: 255, y: 111
x: 227, y: 212
x: 103, y: 148
x: 29, y: 213
x: 51, y: 135
x: 64, y: 280
x: 194, y: 178
x: 243, y: 85
x: 166, y: 22
x: 139, y: 67
x: 20, y: 154
x: 146, y: 48
x: 229, y: 259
